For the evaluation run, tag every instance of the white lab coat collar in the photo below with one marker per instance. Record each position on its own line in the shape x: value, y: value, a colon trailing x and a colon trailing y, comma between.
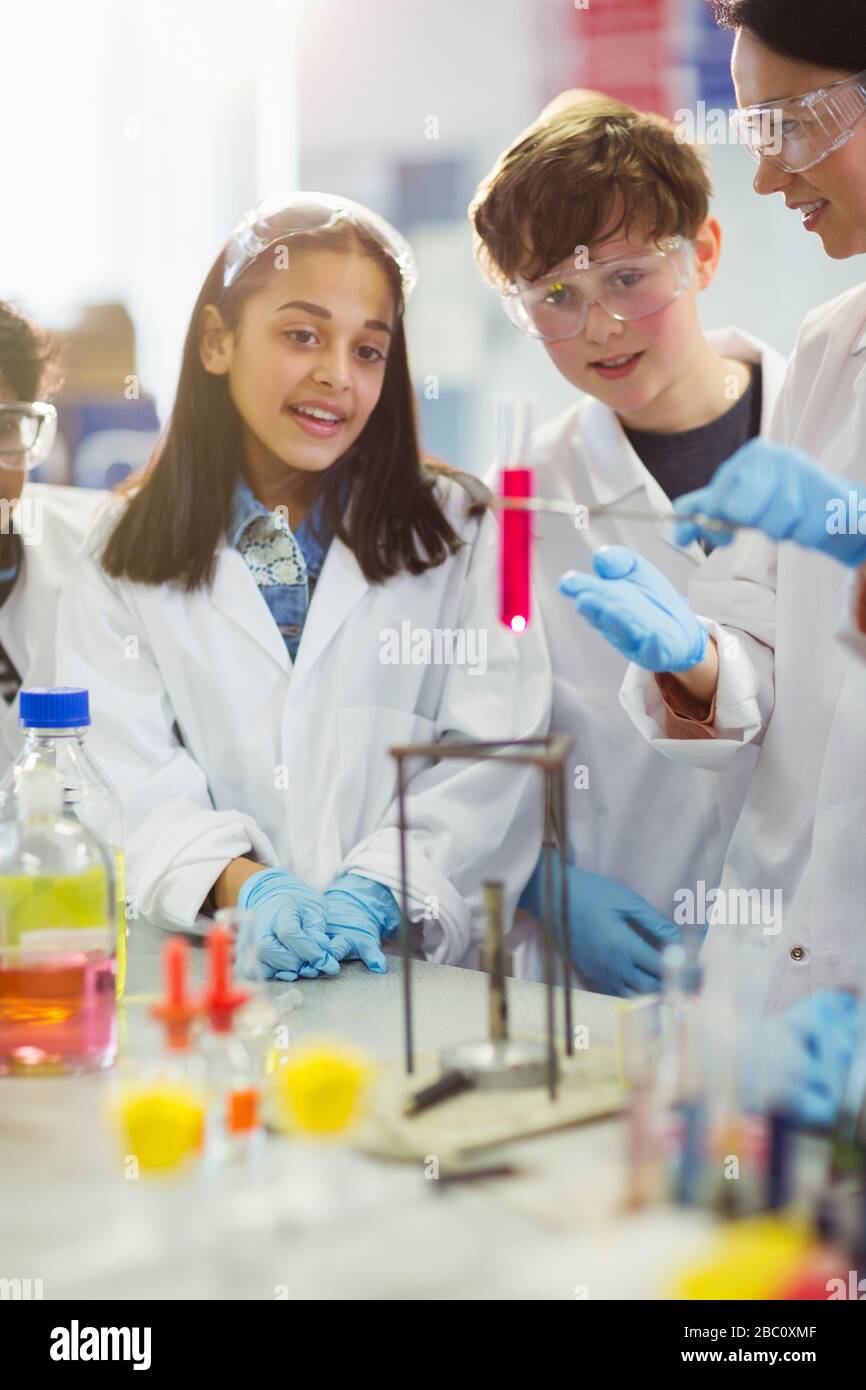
x: 859, y: 384
x: 236, y: 594
x: 860, y: 343
x: 340, y: 587
x: 613, y: 466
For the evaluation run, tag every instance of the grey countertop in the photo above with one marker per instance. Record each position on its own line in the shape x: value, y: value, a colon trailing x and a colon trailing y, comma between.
x: 322, y: 1221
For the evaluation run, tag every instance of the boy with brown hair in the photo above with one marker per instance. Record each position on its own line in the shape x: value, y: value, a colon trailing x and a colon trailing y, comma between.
x: 595, y: 228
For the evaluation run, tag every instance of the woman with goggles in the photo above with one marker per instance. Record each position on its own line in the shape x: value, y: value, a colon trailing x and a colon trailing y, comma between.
x: 766, y: 666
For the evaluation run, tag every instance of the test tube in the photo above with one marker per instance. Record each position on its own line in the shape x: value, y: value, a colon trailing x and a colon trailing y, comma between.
x: 513, y: 417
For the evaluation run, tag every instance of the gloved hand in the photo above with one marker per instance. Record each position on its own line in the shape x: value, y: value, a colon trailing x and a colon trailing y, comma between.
x: 783, y: 493
x: 808, y: 1049
x: 638, y: 610
x: 616, y: 936
x: 288, y: 925
x: 360, y: 912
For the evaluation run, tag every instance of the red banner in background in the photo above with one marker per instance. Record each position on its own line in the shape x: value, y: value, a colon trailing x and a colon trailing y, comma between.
x: 625, y: 48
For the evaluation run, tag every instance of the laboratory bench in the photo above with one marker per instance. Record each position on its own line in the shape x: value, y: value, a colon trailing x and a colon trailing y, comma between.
x: 308, y: 1220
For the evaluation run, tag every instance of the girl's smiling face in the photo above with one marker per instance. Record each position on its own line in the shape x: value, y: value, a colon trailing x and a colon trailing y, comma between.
x: 306, y: 361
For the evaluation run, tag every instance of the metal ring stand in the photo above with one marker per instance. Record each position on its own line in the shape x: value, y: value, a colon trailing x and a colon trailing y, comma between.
x: 549, y: 756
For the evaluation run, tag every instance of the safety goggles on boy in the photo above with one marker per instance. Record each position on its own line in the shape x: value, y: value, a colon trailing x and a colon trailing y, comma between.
x: 797, y: 133
x: 627, y: 287
x: 303, y: 214
x: 27, y: 430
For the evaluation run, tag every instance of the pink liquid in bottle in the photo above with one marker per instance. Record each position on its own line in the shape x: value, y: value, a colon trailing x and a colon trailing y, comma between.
x: 57, y: 1014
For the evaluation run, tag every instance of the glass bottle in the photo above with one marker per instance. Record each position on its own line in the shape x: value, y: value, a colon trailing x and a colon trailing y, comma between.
x: 55, y: 723
x: 58, y: 1012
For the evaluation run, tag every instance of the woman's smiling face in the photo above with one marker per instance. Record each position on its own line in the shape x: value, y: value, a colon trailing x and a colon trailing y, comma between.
x: 831, y: 196
x: 306, y: 362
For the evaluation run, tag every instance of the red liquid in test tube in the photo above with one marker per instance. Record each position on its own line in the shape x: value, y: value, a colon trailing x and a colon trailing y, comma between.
x: 514, y: 552
x: 513, y: 450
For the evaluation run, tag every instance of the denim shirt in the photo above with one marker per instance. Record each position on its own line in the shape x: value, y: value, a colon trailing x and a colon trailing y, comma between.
x: 288, y: 603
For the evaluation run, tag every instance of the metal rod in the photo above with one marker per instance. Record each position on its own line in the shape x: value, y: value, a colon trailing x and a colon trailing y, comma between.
x: 494, y: 961
x: 547, y: 934
x: 405, y: 925
x: 578, y: 510
x: 450, y: 1084
x: 558, y: 780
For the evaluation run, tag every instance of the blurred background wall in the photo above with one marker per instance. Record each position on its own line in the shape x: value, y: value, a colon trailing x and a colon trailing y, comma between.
x: 134, y: 134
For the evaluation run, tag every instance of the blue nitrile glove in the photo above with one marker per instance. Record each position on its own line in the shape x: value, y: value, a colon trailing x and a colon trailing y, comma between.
x: 638, y: 610
x: 785, y: 494
x: 289, y: 927
x: 812, y: 1046
x: 617, y: 937
x: 360, y: 913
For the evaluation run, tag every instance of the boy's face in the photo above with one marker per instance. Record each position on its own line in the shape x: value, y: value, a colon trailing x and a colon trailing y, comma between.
x: 627, y: 365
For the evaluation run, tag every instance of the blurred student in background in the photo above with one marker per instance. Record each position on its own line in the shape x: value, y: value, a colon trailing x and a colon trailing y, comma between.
x: 41, y: 525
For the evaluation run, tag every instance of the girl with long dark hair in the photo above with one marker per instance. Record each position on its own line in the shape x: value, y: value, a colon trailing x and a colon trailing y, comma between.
x: 288, y: 592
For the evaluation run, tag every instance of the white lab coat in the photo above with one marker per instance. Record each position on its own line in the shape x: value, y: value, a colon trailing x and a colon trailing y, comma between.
x: 218, y: 746
x: 630, y: 817
x: 790, y: 687
x: 55, y: 521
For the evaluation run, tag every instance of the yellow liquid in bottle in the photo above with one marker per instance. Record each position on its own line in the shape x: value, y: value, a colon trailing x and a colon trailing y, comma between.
x: 32, y: 904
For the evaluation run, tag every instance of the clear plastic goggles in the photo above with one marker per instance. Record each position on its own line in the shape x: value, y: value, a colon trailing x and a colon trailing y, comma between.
x: 301, y: 214
x: 626, y: 287
x: 797, y: 133
x: 27, y: 432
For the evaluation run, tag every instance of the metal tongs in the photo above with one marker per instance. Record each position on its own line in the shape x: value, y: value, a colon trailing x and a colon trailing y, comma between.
x: 514, y: 447
x: 580, y: 513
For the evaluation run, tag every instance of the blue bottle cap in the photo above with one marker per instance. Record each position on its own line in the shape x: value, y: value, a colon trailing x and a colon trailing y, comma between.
x: 54, y: 707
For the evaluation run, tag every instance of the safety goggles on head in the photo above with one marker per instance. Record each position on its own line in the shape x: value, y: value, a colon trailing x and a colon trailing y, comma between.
x: 627, y: 287
x: 27, y: 430
x: 797, y: 133
x: 301, y: 214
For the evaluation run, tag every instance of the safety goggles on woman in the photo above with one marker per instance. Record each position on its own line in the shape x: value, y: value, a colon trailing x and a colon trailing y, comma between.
x: 27, y: 430
x: 796, y: 133
x: 627, y: 287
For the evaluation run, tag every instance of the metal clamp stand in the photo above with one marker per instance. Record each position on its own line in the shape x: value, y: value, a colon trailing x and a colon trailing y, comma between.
x: 549, y: 755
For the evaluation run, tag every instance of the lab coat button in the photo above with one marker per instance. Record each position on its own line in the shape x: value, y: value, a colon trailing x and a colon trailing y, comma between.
x: 798, y: 953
